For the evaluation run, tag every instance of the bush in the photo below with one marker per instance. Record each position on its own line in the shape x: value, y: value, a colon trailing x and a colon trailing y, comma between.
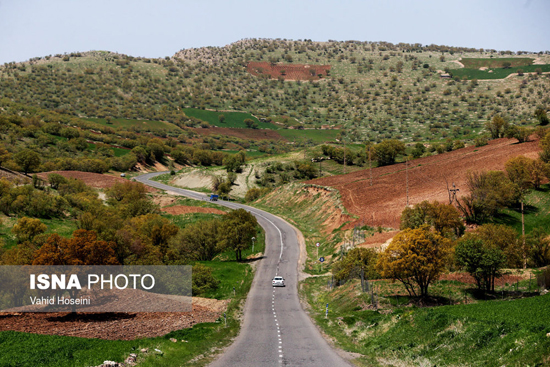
x: 255, y: 193
x: 481, y: 141
x: 203, y: 280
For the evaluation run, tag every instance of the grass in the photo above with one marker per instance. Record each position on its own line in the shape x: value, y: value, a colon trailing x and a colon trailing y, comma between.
x: 536, y: 212
x: 23, y: 349
x: 497, y: 73
x: 230, y: 274
x: 118, y: 152
x: 232, y: 119
x: 63, y: 227
x: 316, y: 136
x: 30, y: 350
x: 491, y: 333
x: 306, y: 211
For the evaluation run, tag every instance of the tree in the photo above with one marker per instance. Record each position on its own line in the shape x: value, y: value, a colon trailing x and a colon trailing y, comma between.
x: 224, y: 188
x: 506, y: 65
x: 541, y: 116
x: 56, y: 180
x: 4, y: 155
x: 236, y: 232
x: 82, y: 249
x: 196, y: 242
x: 251, y: 124
x: 520, y: 133
x: 505, y: 239
x: 22, y: 254
x: 517, y: 169
x: 415, y: 257
x: 526, y: 173
x: 444, y: 218
x: 497, y: 126
x: 140, y: 153
x: 221, y: 118
x: 27, y: 228
x: 544, y: 144
x: 28, y: 160
x: 483, y: 262
x: 203, y: 280
x: 388, y: 150
x: 489, y: 192
x: 130, y: 199
x: 419, y: 150
x: 357, y: 260
x: 157, y: 150
x: 232, y: 162
x: 538, y: 243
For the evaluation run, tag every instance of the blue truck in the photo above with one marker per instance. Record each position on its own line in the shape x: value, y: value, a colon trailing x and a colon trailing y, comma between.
x: 214, y: 197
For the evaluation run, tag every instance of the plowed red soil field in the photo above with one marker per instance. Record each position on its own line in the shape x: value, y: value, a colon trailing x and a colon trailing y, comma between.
x: 288, y: 71
x: 96, y: 180
x: 254, y: 134
x: 382, y: 203
x: 112, y: 326
x: 180, y: 209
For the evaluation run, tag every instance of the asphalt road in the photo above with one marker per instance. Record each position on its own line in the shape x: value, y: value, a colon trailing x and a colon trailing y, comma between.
x: 275, y: 331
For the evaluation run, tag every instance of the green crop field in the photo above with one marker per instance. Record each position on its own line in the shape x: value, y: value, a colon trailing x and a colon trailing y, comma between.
x: 496, y: 62
x: 232, y: 119
x: 497, y: 73
x: 317, y: 136
x: 118, y: 152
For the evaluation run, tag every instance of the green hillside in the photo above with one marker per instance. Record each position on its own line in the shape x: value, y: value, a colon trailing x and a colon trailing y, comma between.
x: 490, y: 333
x: 377, y: 90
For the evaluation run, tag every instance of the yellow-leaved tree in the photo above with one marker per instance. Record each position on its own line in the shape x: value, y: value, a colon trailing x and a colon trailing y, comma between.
x: 415, y: 257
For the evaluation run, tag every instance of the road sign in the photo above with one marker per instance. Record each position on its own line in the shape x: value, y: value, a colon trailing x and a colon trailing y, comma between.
x: 321, y: 259
x: 317, y: 244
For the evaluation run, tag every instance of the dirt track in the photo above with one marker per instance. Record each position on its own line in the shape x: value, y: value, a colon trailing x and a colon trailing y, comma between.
x: 382, y: 203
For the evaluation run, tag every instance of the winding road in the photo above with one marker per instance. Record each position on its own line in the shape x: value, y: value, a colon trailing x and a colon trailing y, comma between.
x: 276, y: 331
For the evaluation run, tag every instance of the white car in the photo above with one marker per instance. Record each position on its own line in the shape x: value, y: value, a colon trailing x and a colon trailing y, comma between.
x: 278, y: 281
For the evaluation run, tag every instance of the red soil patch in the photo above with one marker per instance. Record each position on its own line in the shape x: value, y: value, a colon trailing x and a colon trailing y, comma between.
x: 254, y: 134
x: 382, y: 203
x: 180, y: 209
x: 96, y: 180
x: 110, y: 326
x: 377, y: 240
x: 288, y: 71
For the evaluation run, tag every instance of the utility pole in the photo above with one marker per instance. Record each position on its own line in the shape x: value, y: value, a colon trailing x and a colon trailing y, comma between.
x: 453, y: 192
